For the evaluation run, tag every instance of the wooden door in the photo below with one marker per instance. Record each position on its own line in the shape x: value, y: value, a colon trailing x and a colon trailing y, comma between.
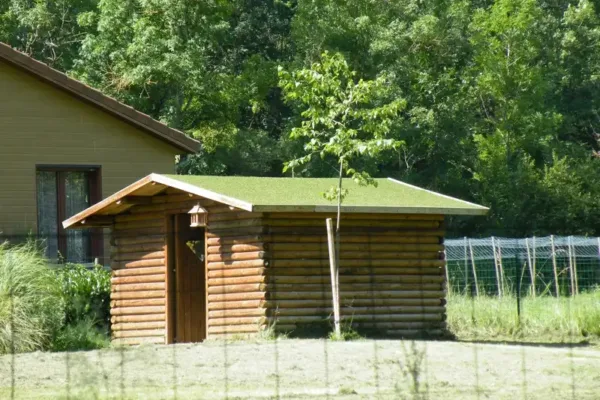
x: 187, y: 282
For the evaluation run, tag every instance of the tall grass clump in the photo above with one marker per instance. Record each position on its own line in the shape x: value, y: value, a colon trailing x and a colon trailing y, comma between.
x: 543, y: 318
x: 30, y: 301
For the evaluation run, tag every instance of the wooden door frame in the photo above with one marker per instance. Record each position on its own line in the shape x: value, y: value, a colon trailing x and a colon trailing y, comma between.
x: 170, y: 263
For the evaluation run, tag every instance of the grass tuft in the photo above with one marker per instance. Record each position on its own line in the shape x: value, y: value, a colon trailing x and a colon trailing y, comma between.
x: 543, y: 318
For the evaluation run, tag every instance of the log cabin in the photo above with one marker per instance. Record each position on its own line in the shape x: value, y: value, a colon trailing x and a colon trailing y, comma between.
x: 197, y: 257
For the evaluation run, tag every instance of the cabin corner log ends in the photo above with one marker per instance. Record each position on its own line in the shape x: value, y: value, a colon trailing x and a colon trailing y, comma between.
x: 272, y: 270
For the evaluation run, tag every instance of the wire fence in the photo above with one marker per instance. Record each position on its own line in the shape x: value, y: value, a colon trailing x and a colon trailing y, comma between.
x: 557, y: 265
x: 314, y: 366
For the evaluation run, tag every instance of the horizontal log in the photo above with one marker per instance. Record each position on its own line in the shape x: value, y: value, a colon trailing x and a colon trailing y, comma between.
x: 349, y: 287
x: 137, y: 340
x: 234, y: 248
x: 237, y: 321
x: 347, y: 238
x: 347, y: 247
x: 236, y: 264
x: 216, y: 225
x: 358, y: 279
x: 137, y: 295
x: 400, y: 325
x: 355, y: 310
x: 235, y: 231
x: 347, y: 295
x: 242, y: 312
x: 232, y: 216
x: 235, y: 240
x: 138, y: 248
x: 220, y: 208
x: 359, y: 319
x: 137, y: 318
x: 125, y: 256
x: 374, y: 271
x: 149, y: 239
x: 127, y: 233
x: 134, y: 287
x: 404, y: 224
x: 158, y: 262
x: 237, y: 256
x: 251, y: 328
x: 236, y: 305
x: 349, y: 303
x: 137, y: 302
x: 138, y: 279
x: 238, y: 280
x: 214, y: 298
x: 222, y: 273
x: 354, y: 255
x: 134, y: 326
x: 354, y: 231
x: 138, y: 271
x: 137, y: 310
x: 139, y: 333
x: 157, y: 222
x: 345, y: 263
x: 252, y: 287
x: 353, y: 216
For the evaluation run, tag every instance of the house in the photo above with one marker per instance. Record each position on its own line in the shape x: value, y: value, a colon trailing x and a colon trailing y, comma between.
x: 63, y: 147
x: 196, y: 257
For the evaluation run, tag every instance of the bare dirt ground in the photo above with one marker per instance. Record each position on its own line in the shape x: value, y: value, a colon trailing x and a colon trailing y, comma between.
x: 287, y: 368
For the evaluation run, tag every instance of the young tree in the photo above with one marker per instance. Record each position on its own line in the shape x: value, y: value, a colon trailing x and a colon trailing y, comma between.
x: 342, y: 117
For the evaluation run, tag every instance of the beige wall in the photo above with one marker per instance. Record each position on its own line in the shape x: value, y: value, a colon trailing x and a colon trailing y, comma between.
x: 40, y: 124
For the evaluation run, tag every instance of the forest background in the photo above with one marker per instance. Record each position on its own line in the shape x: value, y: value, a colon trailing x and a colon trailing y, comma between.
x: 501, y: 99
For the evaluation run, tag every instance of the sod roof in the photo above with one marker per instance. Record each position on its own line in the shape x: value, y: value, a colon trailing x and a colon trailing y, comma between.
x: 272, y: 194
x: 280, y: 195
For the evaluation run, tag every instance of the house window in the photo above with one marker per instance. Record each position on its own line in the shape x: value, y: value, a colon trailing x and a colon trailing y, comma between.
x: 61, y: 193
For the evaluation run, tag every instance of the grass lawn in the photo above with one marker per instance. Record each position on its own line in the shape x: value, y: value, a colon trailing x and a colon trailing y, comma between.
x: 291, y: 368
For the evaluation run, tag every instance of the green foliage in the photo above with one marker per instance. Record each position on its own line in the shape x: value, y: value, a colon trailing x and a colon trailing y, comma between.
x: 495, y: 101
x: 80, y: 335
x: 30, y: 302
x: 86, y: 294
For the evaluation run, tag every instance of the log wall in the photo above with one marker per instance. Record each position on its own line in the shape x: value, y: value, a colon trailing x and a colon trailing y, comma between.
x: 392, y: 276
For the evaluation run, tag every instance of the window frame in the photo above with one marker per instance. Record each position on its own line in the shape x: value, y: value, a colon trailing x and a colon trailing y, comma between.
x: 94, y: 192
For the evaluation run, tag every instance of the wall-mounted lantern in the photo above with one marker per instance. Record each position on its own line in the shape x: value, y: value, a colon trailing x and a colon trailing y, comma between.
x: 198, y: 217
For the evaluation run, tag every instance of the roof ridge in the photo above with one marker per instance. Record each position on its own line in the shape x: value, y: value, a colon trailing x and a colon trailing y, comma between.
x: 95, y: 97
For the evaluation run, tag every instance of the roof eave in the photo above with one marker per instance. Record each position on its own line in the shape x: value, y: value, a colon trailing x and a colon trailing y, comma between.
x: 373, y: 210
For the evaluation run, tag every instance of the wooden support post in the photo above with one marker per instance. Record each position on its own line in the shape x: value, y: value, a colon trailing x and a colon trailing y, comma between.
x: 466, y: 267
x: 530, y: 266
x: 573, y: 267
x: 334, y: 277
x: 554, y: 267
x: 534, y: 259
x: 449, y: 287
x: 474, y: 268
x: 498, y: 281
x: 571, y: 276
x: 501, y: 268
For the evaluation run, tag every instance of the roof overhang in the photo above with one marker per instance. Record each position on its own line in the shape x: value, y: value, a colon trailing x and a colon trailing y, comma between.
x: 141, y: 192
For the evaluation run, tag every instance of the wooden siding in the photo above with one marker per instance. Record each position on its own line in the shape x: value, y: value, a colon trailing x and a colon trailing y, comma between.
x: 392, y: 276
x: 43, y: 125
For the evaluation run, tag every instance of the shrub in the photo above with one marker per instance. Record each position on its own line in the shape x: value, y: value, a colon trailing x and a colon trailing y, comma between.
x: 80, y: 335
x: 30, y: 304
x: 86, y: 294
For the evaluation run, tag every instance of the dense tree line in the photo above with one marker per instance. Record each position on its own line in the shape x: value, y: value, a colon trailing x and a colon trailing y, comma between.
x: 501, y: 98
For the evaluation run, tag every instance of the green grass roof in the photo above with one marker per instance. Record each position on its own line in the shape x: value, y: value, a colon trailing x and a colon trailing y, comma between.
x: 270, y: 194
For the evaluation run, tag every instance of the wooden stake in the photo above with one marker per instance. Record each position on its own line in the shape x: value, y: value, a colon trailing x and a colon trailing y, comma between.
x: 501, y: 267
x: 447, y: 273
x: 496, y: 267
x: 466, y: 265
x: 533, y: 264
x: 554, y: 268
x: 571, y: 276
x: 474, y: 269
x: 530, y: 265
x: 334, y: 276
